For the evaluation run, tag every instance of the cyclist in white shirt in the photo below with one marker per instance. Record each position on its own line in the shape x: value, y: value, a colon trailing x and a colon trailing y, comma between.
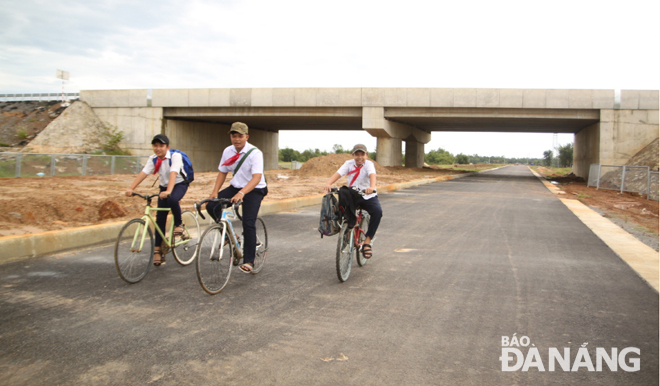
x: 361, y: 173
x: 247, y: 185
x: 172, y: 187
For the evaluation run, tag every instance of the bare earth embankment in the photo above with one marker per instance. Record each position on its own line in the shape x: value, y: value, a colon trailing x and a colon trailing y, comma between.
x: 31, y: 205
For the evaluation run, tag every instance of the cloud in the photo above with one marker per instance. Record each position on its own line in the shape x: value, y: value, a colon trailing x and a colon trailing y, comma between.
x: 289, y: 43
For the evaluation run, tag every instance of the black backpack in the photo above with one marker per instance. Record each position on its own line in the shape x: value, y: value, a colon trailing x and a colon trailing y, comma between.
x: 330, y: 221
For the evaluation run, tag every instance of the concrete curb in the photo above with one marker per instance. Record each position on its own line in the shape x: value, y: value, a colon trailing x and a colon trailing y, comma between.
x: 639, y: 256
x: 15, y: 248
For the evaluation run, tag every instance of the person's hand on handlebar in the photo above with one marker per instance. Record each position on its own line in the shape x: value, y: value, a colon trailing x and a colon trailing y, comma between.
x: 327, y: 188
x: 238, y: 197
x: 129, y: 192
x: 369, y: 190
x: 164, y: 194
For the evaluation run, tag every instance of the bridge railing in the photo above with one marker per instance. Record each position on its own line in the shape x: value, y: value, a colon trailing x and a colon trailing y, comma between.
x: 37, y: 97
x: 625, y: 178
x: 41, y: 164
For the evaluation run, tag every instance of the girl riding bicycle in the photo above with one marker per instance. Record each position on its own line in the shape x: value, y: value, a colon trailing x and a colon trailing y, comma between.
x: 361, y: 173
x: 173, y: 187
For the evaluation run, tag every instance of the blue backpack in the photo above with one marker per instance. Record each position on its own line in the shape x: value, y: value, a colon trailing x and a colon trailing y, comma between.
x: 188, y: 172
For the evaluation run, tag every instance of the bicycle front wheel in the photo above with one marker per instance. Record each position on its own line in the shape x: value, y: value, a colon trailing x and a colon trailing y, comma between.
x: 364, y: 225
x: 214, y: 258
x: 134, y: 250
x: 262, y: 246
x: 185, y: 248
x: 344, y: 252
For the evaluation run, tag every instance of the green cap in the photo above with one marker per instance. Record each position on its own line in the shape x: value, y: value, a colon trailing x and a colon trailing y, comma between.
x: 238, y: 127
x: 359, y: 147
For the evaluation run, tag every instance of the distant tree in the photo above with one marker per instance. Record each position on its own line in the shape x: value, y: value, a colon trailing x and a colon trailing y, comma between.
x: 462, y: 159
x: 288, y: 155
x: 338, y: 149
x: 547, y: 157
x: 439, y: 157
x: 372, y: 156
x: 566, y: 155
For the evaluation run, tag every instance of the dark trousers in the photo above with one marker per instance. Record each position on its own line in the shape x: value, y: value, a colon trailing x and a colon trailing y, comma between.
x: 171, y: 202
x: 251, y: 205
x: 372, y: 206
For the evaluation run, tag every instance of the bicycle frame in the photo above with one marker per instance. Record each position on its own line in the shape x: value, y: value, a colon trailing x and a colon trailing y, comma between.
x: 226, y: 218
x: 148, y: 218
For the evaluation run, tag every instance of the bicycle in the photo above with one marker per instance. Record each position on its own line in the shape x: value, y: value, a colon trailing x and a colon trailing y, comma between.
x: 351, y: 241
x: 220, y: 248
x: 134, y: 253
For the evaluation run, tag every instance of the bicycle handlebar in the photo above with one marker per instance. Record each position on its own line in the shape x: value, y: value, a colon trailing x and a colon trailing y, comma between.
x: 361, y: 192
x: 146, y: 197
x: 222, y: 201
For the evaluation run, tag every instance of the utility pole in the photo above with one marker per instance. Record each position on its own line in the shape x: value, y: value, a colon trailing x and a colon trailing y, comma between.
x: 64, y: 75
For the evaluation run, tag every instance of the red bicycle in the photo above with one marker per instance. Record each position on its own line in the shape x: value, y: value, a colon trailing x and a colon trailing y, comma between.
x: 351, y: 241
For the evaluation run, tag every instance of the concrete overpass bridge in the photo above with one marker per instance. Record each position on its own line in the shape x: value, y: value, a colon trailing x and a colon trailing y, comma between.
x: 609, y: 127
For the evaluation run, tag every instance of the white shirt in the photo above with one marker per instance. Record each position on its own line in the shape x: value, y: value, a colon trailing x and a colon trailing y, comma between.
x: 363, y: 182
x: 253, y: 164
x: 165, y: 168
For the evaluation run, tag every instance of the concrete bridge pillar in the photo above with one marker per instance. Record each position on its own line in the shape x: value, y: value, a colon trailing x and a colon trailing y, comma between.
x: 388, y: 151
x: 414, y: 153
x: 390, y: 134
x: 204, y: 142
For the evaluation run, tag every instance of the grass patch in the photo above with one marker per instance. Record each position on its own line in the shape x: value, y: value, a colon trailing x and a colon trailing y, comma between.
x: 21, y: 133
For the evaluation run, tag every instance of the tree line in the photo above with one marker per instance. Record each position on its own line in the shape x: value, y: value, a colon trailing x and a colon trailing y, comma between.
x: 441, y: 156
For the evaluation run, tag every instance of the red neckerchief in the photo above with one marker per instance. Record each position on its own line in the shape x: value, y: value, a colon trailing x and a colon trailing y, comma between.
x: 231, y: 160
x: 356, y: 171
x: 158, y: 162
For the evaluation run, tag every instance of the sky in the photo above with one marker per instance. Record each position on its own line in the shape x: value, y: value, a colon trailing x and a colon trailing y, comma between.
x: 577, y: 44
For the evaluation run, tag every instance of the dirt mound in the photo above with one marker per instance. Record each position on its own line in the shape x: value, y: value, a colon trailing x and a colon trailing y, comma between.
x: 327, y: 165
x: 111, y: 209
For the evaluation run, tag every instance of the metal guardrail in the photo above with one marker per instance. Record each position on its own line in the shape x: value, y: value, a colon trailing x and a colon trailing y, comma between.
x: 625, y: 178
x: 37, y: 97
x: 14, y: 165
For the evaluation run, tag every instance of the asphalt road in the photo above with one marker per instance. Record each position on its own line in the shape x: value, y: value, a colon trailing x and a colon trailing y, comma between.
x: 457, y: 265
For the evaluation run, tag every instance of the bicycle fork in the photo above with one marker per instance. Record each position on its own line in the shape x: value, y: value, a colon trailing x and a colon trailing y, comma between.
x: 140, y: 233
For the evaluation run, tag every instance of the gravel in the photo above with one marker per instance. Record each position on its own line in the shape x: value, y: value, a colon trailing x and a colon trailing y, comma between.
x: 648, y: 238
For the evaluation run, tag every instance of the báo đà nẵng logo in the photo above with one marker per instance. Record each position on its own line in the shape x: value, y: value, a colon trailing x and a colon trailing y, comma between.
x: 514, y: 357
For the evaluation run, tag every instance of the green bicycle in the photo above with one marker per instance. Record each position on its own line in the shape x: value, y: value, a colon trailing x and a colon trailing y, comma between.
x: 134, y: 249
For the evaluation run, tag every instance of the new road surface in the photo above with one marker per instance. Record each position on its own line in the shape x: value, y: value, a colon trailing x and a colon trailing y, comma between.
x: 484, y: 280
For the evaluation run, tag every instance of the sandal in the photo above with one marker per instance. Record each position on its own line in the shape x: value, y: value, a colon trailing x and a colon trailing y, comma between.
x: 178, y: 230
x: 161, y: 259
x: 247, y: 267
x: 367, y: 253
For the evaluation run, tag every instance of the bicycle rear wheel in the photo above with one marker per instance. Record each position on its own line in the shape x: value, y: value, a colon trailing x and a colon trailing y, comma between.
x: 262, y: 246
x: 184, y: 254
x: 214, y: 258
x: 344, y: 252
x: 364, y: 225
x: 132, y: 256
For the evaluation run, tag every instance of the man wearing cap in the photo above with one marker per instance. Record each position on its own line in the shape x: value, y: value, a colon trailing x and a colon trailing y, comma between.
x: 361, y: 173
x: 247, y: 184
x: 172, y: 187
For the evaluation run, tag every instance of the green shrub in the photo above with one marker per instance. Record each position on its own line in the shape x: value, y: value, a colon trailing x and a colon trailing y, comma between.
x: 21, y: 133
x: 113, y: 136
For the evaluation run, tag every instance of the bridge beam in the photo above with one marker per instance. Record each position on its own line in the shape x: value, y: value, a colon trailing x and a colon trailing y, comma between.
x: 390, y: 135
